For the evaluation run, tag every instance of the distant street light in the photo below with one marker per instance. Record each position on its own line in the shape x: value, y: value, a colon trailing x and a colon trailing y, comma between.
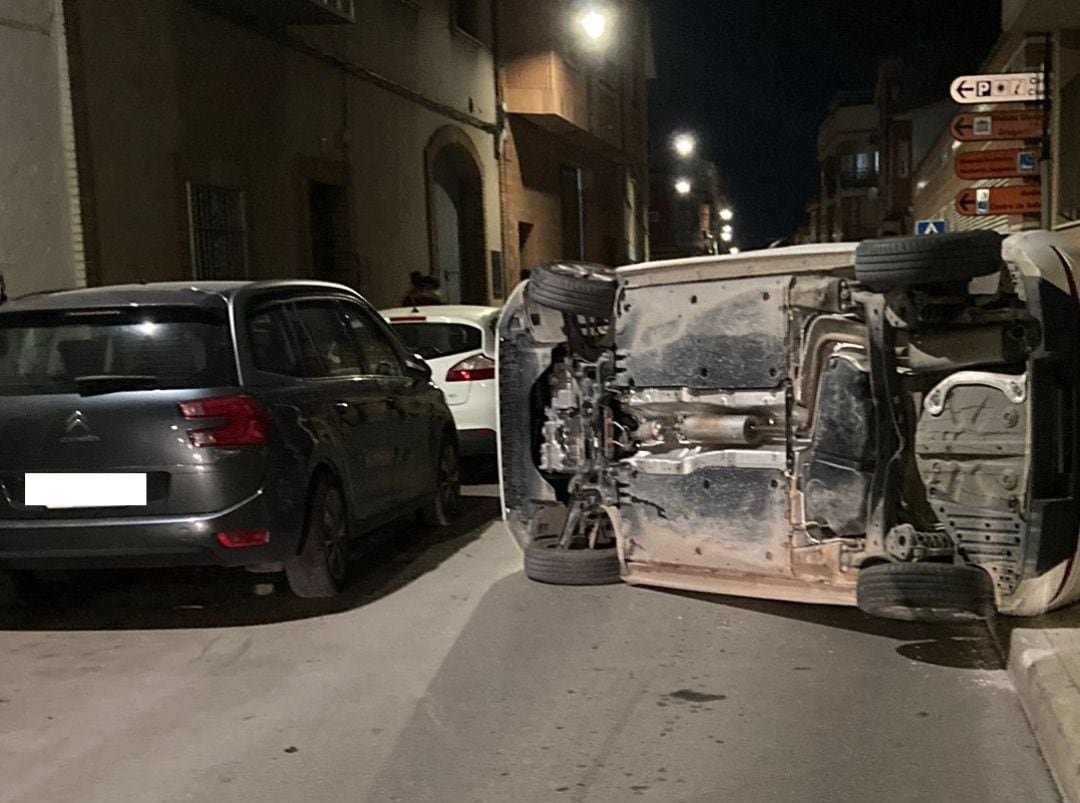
x: 595, y: 23
x: 726, y: 228
x: 684, y: 145
x: 727, y: 236
x: 733, y: 250
x: 726, y: 214
x: 683, y: 186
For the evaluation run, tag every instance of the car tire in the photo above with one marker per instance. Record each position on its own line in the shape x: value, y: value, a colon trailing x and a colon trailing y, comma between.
x: 318, y: 571
x: 445, y: 504
x: 547, y: 562
x: 576, y: 288
x: 925, y: 592
x: 893, y: 263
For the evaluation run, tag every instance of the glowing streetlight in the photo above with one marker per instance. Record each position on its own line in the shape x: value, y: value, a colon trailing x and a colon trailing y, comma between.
x: 683, y: 186
x: 727, y: 236
x: 726, y: 228
x: 726, y: 214
x: 733, y: 250
x: 595, y: 23
x: 684, y: 145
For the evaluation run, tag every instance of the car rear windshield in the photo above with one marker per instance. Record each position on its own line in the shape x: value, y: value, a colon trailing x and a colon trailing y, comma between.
x: 434, y: 340
x: 52, y: 352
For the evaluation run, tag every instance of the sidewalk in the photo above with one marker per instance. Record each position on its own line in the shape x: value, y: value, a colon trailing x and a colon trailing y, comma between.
x: 1044, y: 664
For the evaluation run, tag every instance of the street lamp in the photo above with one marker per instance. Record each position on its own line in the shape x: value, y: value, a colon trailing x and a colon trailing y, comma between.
x: 733, y: 250
x: 684, y: 145
x: 726, y: 228
x: 594, y: 23
x: 726, y: 214
x: 683, y: 186
x: 727, y: 236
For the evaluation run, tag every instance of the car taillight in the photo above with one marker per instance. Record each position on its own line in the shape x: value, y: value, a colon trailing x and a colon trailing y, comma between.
x: 472, y: 369
x: 244, y: 422
x: 243, y: 538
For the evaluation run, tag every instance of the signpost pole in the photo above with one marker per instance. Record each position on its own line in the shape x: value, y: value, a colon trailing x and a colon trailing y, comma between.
x: 1046, y: 175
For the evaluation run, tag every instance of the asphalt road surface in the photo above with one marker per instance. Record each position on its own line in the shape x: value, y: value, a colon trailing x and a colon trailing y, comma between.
x: 444, y: 675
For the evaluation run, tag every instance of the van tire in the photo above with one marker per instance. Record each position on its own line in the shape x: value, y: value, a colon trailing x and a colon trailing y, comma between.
x: 893, y: 263
x: 925, y: 592
x: 576, y: 288
x: 547, y: 562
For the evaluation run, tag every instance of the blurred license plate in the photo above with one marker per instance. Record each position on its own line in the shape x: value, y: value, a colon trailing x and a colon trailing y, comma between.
x: 85, y: 490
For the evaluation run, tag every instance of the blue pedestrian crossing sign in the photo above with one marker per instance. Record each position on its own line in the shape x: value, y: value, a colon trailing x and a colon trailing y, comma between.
x: 931, y: 227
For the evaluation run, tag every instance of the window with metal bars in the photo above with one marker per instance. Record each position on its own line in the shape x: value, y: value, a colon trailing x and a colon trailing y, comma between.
x: 218, y: 232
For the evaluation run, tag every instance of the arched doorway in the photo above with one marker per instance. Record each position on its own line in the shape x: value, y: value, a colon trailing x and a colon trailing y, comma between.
x: 456, y: 217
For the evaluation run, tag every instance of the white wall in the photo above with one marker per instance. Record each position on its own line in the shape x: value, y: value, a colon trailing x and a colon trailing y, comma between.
x: 36, y: 250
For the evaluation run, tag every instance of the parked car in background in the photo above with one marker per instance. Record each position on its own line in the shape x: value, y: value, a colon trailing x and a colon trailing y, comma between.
x: 894, y: 424
x: 458, y: 342
x: 235, y: 424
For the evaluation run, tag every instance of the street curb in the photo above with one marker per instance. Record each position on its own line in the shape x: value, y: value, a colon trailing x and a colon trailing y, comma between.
x: 1044, y: 666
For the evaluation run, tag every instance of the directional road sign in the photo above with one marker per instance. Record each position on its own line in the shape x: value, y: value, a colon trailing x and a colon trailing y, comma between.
x: 1002, y: 124
x: 1019, y: 200
x: 931, y: 227
x: 999, y: 88
x: 1007, y: 163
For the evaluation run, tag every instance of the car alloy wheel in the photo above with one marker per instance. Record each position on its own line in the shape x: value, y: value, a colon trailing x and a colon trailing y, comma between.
x: 446, y: 500
x: 335, y: 535
x: 319, y: 570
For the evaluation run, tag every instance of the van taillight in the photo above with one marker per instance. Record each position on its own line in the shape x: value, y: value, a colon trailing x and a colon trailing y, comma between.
x: 472, y: 369
x: 244, y: 421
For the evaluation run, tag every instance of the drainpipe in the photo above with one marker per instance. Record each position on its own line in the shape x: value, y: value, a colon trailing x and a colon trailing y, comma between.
x: 501, y: 136
x: 72, y: 190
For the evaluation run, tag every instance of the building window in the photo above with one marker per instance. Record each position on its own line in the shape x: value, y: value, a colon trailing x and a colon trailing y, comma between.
x: 858, y: 169
x: 466, y: 16
x: 218, y: 232
x: 903, y: 160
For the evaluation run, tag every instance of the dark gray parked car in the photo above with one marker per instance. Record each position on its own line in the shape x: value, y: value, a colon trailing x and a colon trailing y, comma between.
x: 235, y: 424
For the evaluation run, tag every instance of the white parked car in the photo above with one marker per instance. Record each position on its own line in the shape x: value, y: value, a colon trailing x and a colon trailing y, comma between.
x: 458, y: 342
x: 893, y: 424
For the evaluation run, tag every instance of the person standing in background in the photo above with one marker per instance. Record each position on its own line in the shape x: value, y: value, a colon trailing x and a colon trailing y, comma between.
x: 424, y: 291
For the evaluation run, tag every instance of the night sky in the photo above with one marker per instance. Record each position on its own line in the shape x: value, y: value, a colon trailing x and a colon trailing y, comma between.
x: 755, y: 77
